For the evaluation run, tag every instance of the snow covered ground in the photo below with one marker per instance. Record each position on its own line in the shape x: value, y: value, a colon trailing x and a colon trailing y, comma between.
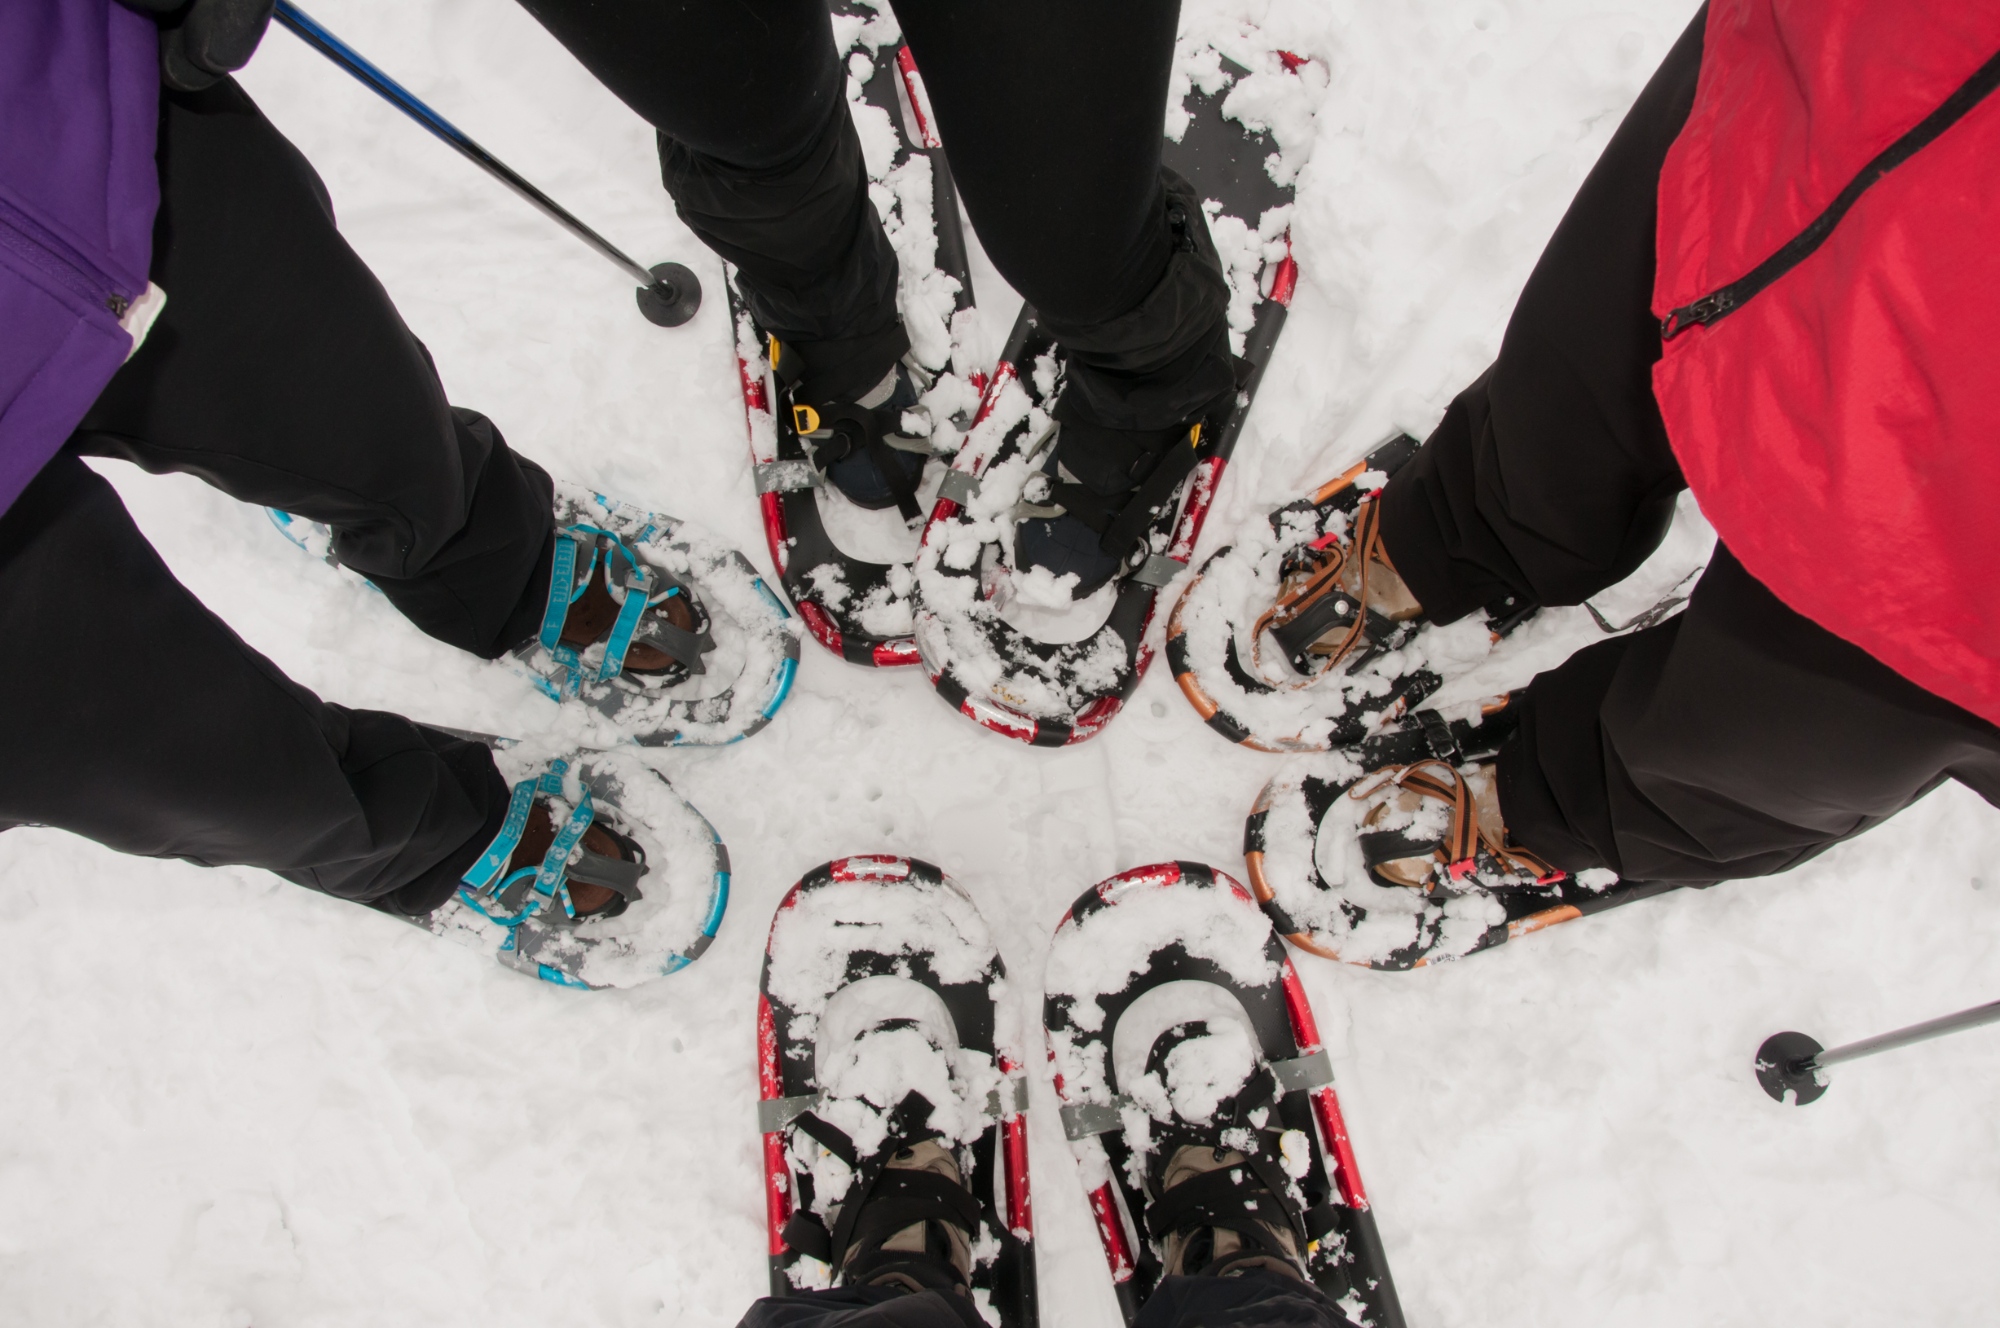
x: 232, y: 1102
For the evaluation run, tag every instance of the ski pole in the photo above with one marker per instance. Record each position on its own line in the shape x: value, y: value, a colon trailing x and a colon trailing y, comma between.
x: 669, y: 294
x: 1791, y: 1062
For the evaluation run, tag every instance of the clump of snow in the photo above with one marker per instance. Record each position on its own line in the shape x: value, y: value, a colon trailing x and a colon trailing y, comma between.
x: 1100, y: 955
x: 812, y: 939
x: 1198, y: 1074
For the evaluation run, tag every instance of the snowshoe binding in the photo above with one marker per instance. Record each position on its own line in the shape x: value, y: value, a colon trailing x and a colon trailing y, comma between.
x: 895, y: 1144
x: 1003, y: 634
x: 601, y: 875
x: 840, y: 481
x: 670, y: 637
x: 1197, y: 1098
x: 1392, y: 854
x: 1339, y: 647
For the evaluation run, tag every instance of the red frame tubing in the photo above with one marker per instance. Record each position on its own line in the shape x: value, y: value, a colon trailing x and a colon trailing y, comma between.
x: 1326, y: 1104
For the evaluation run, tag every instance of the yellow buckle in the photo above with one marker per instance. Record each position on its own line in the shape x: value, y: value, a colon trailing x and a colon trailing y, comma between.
x: 805, y: 420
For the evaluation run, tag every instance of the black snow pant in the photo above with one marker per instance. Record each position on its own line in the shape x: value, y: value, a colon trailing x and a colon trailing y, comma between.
x: 1737, y: 739
x: 280, y: 373
x: 1052, y: 113
x: 1256, y: 1299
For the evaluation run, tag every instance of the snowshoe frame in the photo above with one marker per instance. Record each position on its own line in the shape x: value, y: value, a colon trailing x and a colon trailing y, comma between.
x: 785, y: 1068
x: 784, y: 473
x: 1346, y: 1257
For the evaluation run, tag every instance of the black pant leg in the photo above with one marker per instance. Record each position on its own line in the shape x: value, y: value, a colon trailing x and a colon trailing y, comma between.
x: 762, y: 161
x: 862, y: 1307
x: 140, y: 720
x: 1254, y: 1299
x: 281, y: 373
x: 1737, y: 739
x: 1053, y: 114
x: 1551, y: 477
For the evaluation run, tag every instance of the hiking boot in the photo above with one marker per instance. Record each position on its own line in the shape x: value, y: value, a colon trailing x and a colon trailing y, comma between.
x: 871, y: 445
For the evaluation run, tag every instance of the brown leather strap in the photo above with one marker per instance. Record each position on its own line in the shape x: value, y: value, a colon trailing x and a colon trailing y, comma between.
x: 1441, y: 781
x: 1364, y: 542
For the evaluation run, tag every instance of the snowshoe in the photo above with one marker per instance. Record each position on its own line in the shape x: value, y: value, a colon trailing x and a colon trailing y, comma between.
x: 842, y: 549
x: 1010, y: 648
x: 1339, y: 647
x: 1391, y: 855
x: 1196, y: 1095
x: 890, y: 1073
x: 600, y: 877
x: 671, y: 638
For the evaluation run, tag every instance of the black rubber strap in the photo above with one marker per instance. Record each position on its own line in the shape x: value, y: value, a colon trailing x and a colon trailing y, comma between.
x: 616, y: 874
x: 1380, y: 846
x: 684, y: 647
x: 1233, y: 1198
x: 1129, y: 527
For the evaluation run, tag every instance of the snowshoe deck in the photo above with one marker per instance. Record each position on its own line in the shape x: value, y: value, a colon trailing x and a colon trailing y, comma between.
x: 859, y: 609
x: 747, y: 677
x: 1367, y: 924
x: 1055, y: 693
x: 848, y: 932
x: 1213, y: 955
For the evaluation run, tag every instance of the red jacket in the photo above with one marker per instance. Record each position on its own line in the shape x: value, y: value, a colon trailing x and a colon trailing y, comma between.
x: 1838, y: 412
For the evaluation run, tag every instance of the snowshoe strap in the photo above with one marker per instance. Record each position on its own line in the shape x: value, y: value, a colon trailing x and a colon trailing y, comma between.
x: 685, y: 647
x: 1247, y: 1198
x: 1121, y: 520
x: 1463, y: 840
x: 842, y: 429
x: 1082, y: 1120
x: 896, y: 1199
x: 775, y: 1113
x: 616, y: 874
x: 513, y: 899
x: 1308, y: 600
x: 638, y: 586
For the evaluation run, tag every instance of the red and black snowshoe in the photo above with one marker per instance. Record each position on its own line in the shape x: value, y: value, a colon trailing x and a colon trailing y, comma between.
x: 1054, y: 675
x: 857, y: 604
x: 1377, y: 856
x: 891, y: 1079
x: 1176, y: 1023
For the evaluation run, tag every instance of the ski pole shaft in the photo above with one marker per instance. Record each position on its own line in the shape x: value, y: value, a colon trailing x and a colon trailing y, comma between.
x: 338, y: 51
x: 1903, y: 1037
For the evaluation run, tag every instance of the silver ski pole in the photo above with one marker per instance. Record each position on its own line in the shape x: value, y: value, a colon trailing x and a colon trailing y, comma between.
x: 669, y: 294
x: 1792, y: 1062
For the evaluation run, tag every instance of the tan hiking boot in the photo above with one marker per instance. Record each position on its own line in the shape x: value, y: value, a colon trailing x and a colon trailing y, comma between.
x: 1199, y: 1249
x: 916, y: 1239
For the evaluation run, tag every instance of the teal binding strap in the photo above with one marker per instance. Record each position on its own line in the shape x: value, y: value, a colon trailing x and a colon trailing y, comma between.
x: 538, y: 886
x: 562, y: 574
x: 481, y: 873
x: 638, y: 592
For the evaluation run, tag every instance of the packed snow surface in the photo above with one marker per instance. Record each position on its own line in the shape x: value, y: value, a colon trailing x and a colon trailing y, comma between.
x: 233, y: 1102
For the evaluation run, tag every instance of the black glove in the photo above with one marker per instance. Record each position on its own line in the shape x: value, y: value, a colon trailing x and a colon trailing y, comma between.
x: 201, y: 41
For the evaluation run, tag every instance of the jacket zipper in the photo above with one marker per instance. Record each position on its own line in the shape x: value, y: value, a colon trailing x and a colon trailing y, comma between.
x: 1724, y: 299
x: 22, y: 235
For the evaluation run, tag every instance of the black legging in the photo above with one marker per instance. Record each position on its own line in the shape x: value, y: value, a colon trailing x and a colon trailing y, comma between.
x: 1051, y: 110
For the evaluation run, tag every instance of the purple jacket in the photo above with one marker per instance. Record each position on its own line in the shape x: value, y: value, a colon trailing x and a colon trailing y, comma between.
x: 79, y: 116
